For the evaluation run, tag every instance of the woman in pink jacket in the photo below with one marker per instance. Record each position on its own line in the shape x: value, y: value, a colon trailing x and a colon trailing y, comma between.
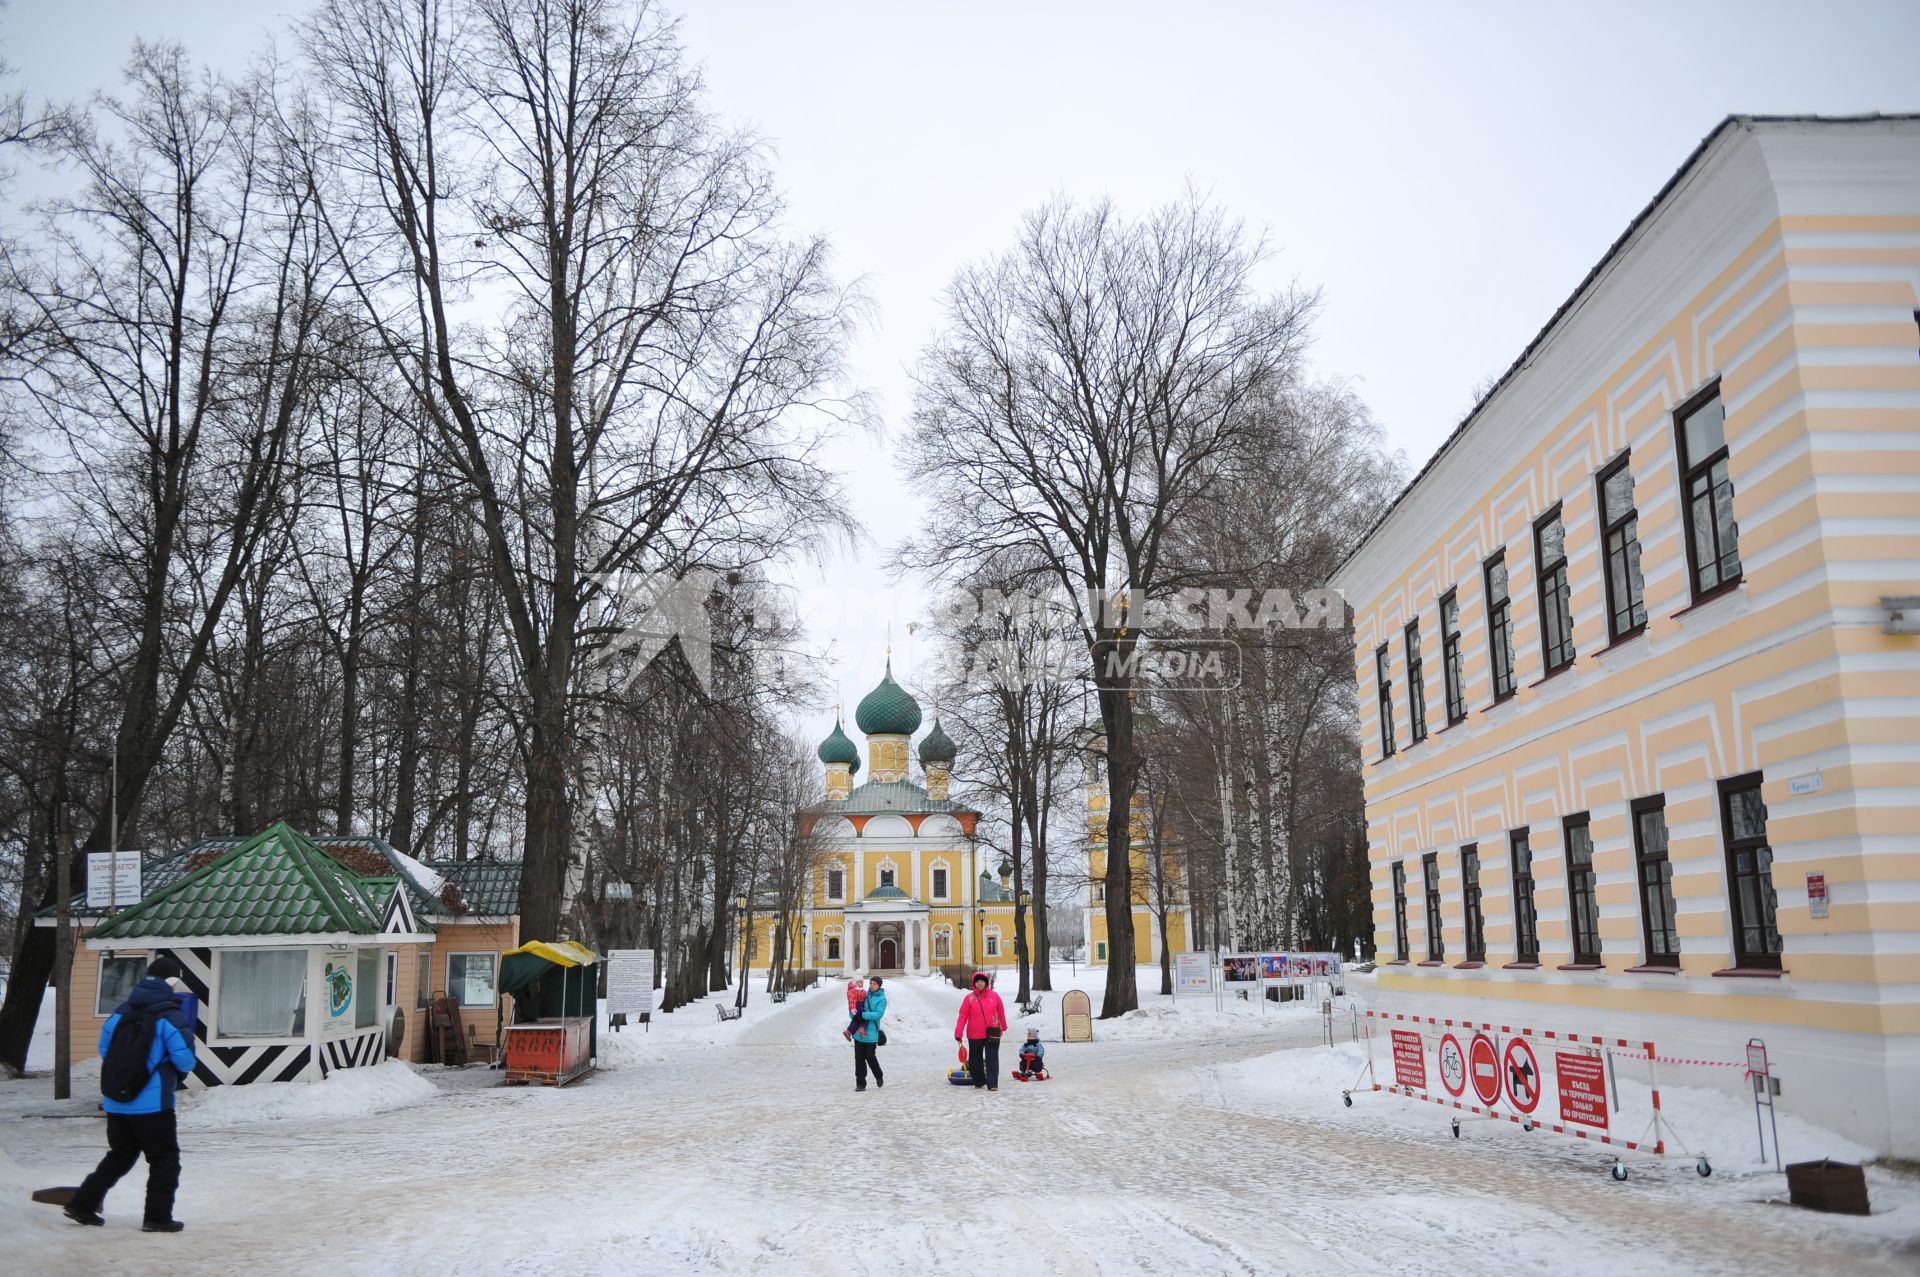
x: 983, y: 1018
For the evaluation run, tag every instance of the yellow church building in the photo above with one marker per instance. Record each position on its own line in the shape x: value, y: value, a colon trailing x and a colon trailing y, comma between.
x: 895, y: 888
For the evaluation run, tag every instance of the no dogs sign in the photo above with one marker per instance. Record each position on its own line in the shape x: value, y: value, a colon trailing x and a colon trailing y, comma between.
x: 1523, y: 1076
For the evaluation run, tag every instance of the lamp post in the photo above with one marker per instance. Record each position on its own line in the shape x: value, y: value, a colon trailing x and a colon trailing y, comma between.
x: 740, y: 921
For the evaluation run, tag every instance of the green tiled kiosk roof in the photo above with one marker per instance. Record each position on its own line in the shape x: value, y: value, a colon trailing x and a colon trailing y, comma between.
x: 276, y: 883
x: 888, y: 710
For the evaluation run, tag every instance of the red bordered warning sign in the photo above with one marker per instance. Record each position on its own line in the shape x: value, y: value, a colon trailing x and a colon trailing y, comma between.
x: 1522, y: 1076
x: 1409, y: 1060
x: 1453, y: 1066
x: 1483, y: 1066
x: 1583, y: 1088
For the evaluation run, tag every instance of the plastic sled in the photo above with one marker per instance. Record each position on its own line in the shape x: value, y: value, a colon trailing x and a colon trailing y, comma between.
x: 960, y: 1077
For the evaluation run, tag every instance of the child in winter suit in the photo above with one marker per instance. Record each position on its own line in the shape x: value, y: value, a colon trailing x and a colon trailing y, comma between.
x: 1033, y: 1057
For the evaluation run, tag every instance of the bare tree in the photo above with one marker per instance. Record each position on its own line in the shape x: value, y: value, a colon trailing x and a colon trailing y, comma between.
x: 179, y: 310
x: 635, y: 405
x: 1088, y: 390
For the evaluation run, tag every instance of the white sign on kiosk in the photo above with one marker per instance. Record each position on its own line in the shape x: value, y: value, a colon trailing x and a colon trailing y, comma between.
x: 113, y: 879
x: 629, y: 982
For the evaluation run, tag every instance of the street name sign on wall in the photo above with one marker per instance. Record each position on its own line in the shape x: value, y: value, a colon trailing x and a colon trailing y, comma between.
x: 629, y: 981
x: 113, y: 879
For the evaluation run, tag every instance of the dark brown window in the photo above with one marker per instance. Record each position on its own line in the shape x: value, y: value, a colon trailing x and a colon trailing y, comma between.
x: 1584, y: 908
x: 1556, y: 598
x: 1430, y: 876
x: 1658, y: 928
x: 1383, y: 674
x: 1416, y: 685
x: 1470, y: 901
x: 1756, y: 937
x: 1450, y: 659
x: 1713, y: 540
x: 1400, y: 910
x: 1620, y: 536
x: 1526, y: 920
x: 1499, y: 626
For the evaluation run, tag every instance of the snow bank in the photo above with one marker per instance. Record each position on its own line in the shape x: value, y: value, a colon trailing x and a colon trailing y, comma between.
x: 347, y: 1093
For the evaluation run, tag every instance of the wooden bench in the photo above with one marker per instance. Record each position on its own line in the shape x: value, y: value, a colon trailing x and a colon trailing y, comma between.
x: 727, y: 1013
x: 1032, y: 1007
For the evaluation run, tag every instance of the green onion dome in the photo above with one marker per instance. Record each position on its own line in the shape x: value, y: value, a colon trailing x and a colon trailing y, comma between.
x: 838, y: 749
x: 938, y: 746
x: 888, y: 710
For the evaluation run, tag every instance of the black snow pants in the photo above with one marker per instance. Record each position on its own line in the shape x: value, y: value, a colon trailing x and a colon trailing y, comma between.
x: 131, y: 1136
x: 866, y: 1056
x: 983, y: 1061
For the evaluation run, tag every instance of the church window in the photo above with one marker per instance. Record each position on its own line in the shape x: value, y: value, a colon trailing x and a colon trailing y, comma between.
x: 943, y: 945
x: 993, y: 943
x: 836, y: 884
x: 939, y: 882
x: 833, y: 948
x: 886, y: 878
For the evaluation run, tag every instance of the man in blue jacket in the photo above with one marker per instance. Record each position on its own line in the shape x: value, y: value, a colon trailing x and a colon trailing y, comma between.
x: 144, y: 1126
x: 867, y: 1037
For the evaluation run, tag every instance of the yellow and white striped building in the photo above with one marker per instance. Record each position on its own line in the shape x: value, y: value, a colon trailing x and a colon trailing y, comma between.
x: 1641, y: 710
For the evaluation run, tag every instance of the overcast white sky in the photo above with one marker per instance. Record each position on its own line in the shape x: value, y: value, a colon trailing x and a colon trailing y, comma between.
x: 1445, y: 174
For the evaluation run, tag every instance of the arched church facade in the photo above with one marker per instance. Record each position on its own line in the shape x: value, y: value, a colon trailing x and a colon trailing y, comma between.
x: 895, y: 887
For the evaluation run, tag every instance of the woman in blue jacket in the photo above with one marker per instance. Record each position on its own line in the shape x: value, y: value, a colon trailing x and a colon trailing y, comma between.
x: 144, y: 1125
x: 866, y: 1038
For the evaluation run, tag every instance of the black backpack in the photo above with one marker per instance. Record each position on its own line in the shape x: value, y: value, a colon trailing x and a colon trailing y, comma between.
x: 124, y: 1072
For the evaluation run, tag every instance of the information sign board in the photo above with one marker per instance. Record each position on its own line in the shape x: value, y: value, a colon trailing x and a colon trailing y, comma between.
x: 1076, y: 1017
x: 1583, y: 1088
x: 1192, y: 973
x: 113, y: 879
x: 629, y: 982
x: 1409, y: 1060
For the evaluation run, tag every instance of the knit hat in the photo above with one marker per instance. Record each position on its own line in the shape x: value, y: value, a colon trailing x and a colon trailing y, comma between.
x: 164, y: 967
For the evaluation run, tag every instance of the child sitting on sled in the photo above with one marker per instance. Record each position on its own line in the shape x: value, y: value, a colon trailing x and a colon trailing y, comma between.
x: 1033, y: 1059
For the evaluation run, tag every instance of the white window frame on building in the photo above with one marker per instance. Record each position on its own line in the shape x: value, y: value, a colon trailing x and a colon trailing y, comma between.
x: 138, y: 966
x: 836, y: 873
x: 493, y: 977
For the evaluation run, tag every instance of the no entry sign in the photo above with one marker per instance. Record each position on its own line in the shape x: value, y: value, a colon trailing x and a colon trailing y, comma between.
x: 1583, y: 1089
x: 1409, y: 1060
x: 1453, y: 1066
x: 1523, y: 1076
x: 1483, y: 1064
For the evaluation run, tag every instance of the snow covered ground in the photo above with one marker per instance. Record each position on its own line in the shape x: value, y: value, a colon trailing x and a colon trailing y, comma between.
x: 1183, y: 1139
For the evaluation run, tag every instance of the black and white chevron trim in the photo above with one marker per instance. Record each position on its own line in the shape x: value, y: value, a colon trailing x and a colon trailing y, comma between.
x: 365, y: 1048
x: 283, y: 1062
x: 239, y: 1065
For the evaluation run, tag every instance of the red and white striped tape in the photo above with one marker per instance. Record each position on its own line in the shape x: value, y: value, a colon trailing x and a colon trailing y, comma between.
x: 1705, y: 1064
